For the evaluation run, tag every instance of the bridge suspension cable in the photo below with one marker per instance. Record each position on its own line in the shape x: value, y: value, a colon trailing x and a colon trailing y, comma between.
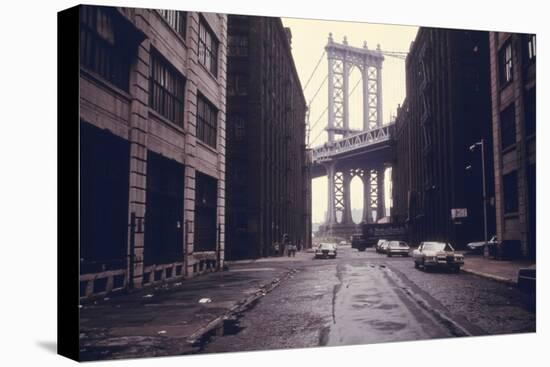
x: 326, y: 109
x: 318, y: 89
x: 314, y: 70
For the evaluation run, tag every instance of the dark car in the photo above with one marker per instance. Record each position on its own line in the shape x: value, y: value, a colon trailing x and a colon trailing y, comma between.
x: 358, y: 241
x: 527, y: 282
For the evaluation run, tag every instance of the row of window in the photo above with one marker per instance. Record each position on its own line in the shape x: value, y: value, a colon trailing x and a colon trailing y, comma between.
x: 103, y: 53
x: 508, y: 120
x: 506, y: 62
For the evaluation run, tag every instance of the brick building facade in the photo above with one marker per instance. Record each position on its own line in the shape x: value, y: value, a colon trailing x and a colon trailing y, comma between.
x: 447, y: 109
x: 268, y: 181
x: 513, y: 92
x: 152, y: 146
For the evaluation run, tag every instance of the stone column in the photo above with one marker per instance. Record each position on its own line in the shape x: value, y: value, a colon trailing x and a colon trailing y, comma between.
x: 331, y: 212
x: 381, y: 209
x: 346, y: 215
x: 139, y: 89
x: 367, y: 211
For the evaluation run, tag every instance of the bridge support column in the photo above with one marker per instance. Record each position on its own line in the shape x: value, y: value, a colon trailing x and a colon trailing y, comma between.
x: 331, y: 209
x: 367, y: 208
x: 346, y: 215
x: 346, y: 96
x: 330, y: 61
x: 381, y: 208
x: 379, y: 95
x: 365, y: 77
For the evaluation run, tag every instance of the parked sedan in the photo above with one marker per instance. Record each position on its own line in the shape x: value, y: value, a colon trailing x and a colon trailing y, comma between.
x: 478, y: 246
x: 397, y: 248
x: 325, y: 250
x: 437, y: 254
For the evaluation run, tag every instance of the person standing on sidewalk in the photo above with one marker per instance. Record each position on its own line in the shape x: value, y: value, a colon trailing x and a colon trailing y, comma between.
x: 291, y: 249
x: 286, y: 244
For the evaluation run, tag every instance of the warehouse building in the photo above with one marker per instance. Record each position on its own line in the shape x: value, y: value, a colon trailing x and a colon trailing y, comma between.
x: 268, y: 181
x: 437, y: 178
x: 152, y: 146
x: 513, y: 92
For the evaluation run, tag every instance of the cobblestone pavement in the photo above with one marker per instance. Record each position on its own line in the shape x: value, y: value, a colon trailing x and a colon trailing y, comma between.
x: 364, y: 297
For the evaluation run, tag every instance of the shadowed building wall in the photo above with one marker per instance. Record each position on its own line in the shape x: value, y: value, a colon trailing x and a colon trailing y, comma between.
x: 268, y: 185
x: 447, y: 109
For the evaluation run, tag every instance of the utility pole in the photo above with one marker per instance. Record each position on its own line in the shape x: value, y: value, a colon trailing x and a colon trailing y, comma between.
x: 472, y: 147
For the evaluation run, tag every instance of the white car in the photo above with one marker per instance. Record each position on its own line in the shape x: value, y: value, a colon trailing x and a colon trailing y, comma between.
x: 325, y: 250
x: 478, y: 246
x: 437, y: 254
x: 397, y: 248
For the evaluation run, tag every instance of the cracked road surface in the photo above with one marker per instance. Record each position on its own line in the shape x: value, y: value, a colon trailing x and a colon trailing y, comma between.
x: 363, y: 298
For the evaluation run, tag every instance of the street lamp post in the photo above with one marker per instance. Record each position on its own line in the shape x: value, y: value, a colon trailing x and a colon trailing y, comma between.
x: 472, y: 147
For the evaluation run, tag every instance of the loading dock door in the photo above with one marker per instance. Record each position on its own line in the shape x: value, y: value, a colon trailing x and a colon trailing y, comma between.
x: 205, y: 212
x: 104, y: 175
x: 164, y: 210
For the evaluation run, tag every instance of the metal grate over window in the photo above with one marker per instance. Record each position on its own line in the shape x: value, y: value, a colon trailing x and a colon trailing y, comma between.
x: 208, y: 48
x: 100, y: 50
x: 207, y: 116
x: 177, y: 20
x: 166, y: 90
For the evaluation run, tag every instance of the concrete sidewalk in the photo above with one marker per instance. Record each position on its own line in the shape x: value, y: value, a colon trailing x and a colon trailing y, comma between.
x: 174, y: 318
x: 505, y: 271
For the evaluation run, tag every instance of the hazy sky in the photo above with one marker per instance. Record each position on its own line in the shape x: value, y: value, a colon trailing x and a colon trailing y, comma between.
x: 309, y: 37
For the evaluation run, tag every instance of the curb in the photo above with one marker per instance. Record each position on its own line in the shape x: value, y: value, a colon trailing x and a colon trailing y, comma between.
x: 240, y: 306
x: 496, y: 278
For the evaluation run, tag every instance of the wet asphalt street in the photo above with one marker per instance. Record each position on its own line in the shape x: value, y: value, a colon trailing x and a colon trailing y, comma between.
x: 365, y: 297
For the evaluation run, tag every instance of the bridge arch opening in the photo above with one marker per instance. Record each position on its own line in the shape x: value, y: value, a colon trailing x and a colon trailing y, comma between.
x: 355, y: 98
x: 356, y: 198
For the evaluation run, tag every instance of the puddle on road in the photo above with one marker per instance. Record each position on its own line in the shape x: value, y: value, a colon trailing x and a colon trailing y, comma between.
x: 230, y: 326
